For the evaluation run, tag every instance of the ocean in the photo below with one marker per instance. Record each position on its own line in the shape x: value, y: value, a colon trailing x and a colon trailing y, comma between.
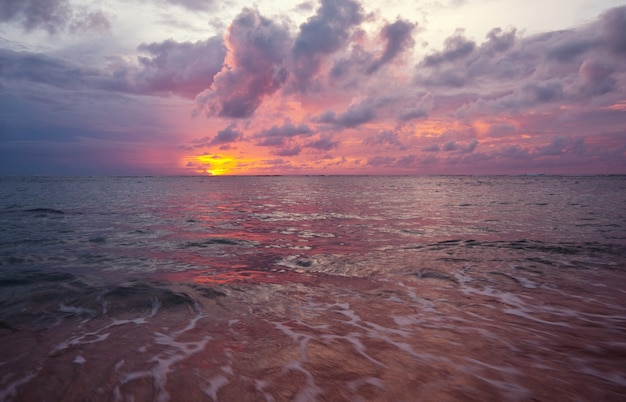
x: 328, y: 288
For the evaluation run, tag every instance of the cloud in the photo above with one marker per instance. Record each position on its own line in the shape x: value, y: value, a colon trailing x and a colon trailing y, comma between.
x: 407, y: 161
x: 398, y: 37
x: 347, y: 66
x: 455, y: 47
x: 52, y: 15
x: 545, y: 91
x: 226, y: 136
x: 184, y: 69
x: 353, y: 117
x: 614, y: 30
x: 562, y: 145
x: 169, y: 67
x: 381, y: 161
x: 194, y: 5
x: 454, y: 146
x: 462, y: 61
x: 431, y: 148
x: 568, y: 48
x: 293, y: 151
x: 596, y: 77
x: 322, y: 35
x: 498, y: 41
x: 385, y: 138
x: 412, y: 114
x: 276, y: 136
x: 511, y: 74
x: 323, y: 144
x: 255, y: 67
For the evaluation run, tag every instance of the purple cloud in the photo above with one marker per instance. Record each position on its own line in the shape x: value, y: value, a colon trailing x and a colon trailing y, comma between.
x: 454, y: 146
x: 385, y: 138
x: 287, y: 130
x: 185, y: 69
x: 194, y: 5
x: 293, y: 151
x: 351, y: 118
x: 258, y: 47
x: 282, y: 137
x: 398, y: 37
x: 381, y: 161
x: 323, y: 144
x: 412, y: 114
x: 322, y: 35
x: 41, y: 69
x: 614, y: 30
x: 455, y: 47
x: 561, y: 145
x: 52, y: 16
x: 226, y: 136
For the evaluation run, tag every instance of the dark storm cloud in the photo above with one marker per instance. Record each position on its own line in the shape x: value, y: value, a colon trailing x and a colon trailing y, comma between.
x: 323, y: 34
x: 398, y: 37
x: 185, y: 69
x: 51, y: 15
x: 257, y: 51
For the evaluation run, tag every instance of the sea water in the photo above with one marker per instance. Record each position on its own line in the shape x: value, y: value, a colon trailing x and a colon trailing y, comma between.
x: 313, y: 288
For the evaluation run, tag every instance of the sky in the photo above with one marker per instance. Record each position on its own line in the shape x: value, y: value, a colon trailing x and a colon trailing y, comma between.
x: 207, y: 87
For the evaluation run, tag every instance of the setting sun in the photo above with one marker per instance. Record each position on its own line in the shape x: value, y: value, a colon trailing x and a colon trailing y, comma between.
x: 214, y: 165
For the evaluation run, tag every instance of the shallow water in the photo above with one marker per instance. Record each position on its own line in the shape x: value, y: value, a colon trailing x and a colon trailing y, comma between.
x: 313, y: 288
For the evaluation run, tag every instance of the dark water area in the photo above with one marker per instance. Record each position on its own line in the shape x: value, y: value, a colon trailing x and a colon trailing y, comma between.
x: 313, y: 288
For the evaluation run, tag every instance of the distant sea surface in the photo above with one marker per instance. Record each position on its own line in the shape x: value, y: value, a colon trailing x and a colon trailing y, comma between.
x: 450, y: 288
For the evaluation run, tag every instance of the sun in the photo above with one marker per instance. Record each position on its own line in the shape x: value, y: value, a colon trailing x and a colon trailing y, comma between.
x: 214, y: 165
x: 215, y: 172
